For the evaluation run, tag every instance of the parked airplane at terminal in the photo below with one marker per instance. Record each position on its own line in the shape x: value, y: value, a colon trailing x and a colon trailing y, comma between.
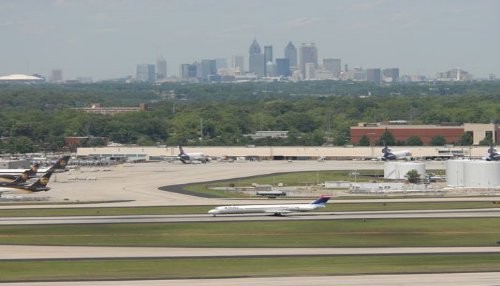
x: 192, y: 158
x: 18, y: 176
x: 38, y: 186
x: 493, y: 155
x: 388, y: 155
x: 16, y: 179
x: 273, y: 209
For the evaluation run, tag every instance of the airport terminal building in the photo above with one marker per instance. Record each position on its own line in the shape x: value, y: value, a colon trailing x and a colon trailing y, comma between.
x: 259, y: 153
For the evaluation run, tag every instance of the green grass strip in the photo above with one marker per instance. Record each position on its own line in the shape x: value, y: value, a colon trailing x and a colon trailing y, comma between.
x: 287, y: 233
x: 105, y: 211
x: 174, y: 268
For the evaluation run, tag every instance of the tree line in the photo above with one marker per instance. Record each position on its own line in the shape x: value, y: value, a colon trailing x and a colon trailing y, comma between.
x: 37, y: 118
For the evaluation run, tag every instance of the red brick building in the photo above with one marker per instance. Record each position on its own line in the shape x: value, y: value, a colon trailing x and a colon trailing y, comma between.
x: 402, y: 132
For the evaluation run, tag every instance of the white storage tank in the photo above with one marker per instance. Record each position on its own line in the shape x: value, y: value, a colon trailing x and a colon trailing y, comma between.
x: 473, y: 174
x: 455, y: 173
x: 397, y: 170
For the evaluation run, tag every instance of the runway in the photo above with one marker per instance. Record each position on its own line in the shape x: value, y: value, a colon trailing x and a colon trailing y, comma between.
x: 472, y: 213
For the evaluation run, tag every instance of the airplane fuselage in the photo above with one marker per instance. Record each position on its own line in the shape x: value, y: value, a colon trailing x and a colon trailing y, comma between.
x: 273, y: 209
x: 399, y: 155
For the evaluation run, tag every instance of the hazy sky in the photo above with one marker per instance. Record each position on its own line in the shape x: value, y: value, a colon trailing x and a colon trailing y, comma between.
x: 107, y: 38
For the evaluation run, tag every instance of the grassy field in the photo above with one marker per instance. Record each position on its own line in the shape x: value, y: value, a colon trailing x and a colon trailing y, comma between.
x: 174, y: 268
x: 286, y: 179
x: 333, y: 233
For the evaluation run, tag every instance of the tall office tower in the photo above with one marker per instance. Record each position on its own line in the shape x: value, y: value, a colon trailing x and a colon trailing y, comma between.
x: 207, y: 67
x: 291, y: 55
x: 308, y: 54
x: 56, y: 75
x: 332, y: 65
x: 391, y: 74
x: 238, y: 63
x: 268, y: 53
x: 268, y: 58
x: 283, y: 67
x: 256, y: 60
x: 373, y: 75
x: 146, y: 73
x: 188, y: 71
x: 183, y: 71
x: 161, y: 68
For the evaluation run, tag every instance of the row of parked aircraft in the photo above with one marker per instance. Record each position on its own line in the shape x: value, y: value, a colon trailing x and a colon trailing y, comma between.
x: 11, y: 181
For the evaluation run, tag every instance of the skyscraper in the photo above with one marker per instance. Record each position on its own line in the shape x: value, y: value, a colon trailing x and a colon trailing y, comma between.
x: 268, y: 53
x: 291, y: 55
x: 188, y: 71
x: 256, y: 60
x: 145, y: 73
x: 332, y: 65
x: 308, y: 54
x: 391, y: 74
x: 268, y: 59
x: 238, y: 62
x: 373, y: 75
x: 161, y: 68
x: 283, y: 67
x: 208, y: 67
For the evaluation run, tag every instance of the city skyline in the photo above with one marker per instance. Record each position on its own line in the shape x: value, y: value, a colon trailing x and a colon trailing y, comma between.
x: 108, y: 39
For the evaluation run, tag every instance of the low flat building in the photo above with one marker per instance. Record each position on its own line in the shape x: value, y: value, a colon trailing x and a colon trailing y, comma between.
x: 98, y: 109
x: 402, y: 131
x: 281, y: 152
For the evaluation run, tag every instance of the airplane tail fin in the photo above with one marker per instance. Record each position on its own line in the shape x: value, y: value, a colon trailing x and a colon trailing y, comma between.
x: 181, y: 151
x: 322, y: 200
x: 41, y: 183
x: 386, y: 149
x: 183, y: 156
x: 61, y: 163
x: 32, y: 171
x: 492, y: 149
x: 23, y: 177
